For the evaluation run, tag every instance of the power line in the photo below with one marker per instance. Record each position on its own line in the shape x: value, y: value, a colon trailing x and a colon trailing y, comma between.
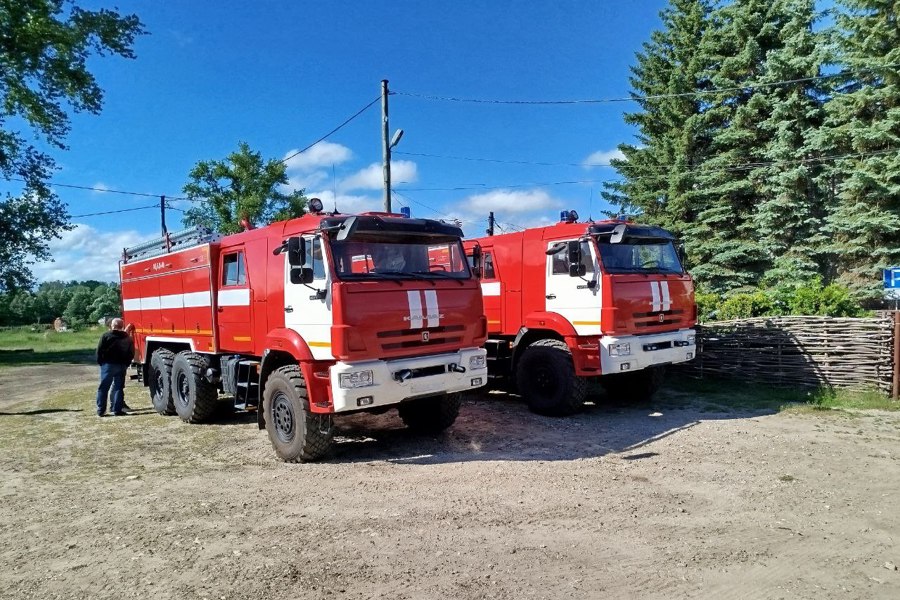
x: 635, y: 98
x: 112, y: 212
x: 100, y: 189
x: 335, y: 130
x: 665, y: 167
x: 510, y: 162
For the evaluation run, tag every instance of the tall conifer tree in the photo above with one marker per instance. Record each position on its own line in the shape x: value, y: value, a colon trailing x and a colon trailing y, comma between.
x: 658, y: 171
x: 863, y: 123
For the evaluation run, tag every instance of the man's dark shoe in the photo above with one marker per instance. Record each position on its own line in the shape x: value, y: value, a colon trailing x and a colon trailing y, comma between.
x: 101, y: 414
x: 125, y: 406
x: 120, y: 413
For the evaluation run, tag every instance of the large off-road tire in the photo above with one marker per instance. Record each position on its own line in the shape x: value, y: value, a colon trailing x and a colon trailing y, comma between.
x: 297, y: 435
x: 636, y: 386
x: 431, y: 415
x: 545, y: 376
x: 194, y: 396
x: 160, y: 380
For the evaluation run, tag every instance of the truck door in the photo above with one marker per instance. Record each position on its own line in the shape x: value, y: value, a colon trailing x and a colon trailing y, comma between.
x: 307, y: 309
x: 491, y: 290
x: 233, y: 303
x: 573, y: 297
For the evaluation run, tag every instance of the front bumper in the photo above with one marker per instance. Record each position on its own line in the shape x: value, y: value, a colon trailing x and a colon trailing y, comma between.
x: 431, y: 375
x: 648, y: 351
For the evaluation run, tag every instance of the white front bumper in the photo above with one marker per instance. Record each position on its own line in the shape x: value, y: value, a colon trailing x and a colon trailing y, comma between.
x: 672, y: 347
x: 387, y: 389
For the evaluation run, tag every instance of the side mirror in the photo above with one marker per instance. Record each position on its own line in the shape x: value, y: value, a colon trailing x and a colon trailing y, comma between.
x: 576, y: 269
x: 618, y: 233
x: 301, y: 275
x: 476, y: 261
x: 296, y: 252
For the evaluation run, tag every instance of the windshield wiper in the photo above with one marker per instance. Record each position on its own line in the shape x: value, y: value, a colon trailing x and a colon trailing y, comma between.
x: 438, y: 275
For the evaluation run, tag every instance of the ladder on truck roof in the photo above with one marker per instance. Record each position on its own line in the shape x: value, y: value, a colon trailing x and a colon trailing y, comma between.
x: 171, y: 242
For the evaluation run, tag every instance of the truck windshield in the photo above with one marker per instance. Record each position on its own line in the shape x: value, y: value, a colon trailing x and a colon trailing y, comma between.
x: 640, y: 255
x: 393, y: 258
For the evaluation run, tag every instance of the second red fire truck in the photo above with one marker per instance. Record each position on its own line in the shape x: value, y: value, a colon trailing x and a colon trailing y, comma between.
x: 307, y: 319
x: 566, y: 303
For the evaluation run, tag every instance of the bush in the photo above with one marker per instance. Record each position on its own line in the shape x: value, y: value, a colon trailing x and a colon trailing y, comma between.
x: 810, y: 299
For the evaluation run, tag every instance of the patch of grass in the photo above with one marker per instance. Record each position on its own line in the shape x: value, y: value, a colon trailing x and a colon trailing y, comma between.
x: 787, y: 478
x: 723, y: 394
x: 26, y: 346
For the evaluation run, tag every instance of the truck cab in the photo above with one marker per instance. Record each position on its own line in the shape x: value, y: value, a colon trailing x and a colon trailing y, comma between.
x: 573, y: 301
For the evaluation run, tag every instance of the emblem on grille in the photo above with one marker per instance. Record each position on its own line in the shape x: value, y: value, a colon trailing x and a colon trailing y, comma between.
x: 662, y: 317
x: 426, y: 336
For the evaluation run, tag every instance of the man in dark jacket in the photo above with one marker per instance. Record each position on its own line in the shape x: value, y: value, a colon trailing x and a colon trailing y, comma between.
x: 114, y: 353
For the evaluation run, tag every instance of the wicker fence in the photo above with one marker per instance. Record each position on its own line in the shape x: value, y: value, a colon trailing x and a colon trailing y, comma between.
x: 799, y: 351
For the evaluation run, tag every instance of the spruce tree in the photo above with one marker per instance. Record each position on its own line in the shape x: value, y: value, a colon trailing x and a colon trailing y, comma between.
x: 789, y: 215
x: 863, y: 123
x: 658, y: 171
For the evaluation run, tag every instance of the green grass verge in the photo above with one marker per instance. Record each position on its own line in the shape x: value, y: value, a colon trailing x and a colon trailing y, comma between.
x: 717, y: 395
x: 23, y: 346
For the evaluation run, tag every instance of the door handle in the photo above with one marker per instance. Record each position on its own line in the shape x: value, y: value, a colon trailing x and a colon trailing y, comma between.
x: 289, y: 309
x: 550, y: 296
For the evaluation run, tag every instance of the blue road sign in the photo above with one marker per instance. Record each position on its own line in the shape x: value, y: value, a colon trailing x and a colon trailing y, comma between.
x: 892, y: 278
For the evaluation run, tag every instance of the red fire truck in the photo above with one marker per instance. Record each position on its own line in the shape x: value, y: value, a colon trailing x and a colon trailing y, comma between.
x: 574, y: 301
x: 306, y: 319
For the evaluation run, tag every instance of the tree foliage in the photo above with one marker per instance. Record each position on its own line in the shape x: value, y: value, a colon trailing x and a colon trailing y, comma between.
x: 772, y: 174
x: 44, y: 48
x: 241, y: 187
x: 79, y: 302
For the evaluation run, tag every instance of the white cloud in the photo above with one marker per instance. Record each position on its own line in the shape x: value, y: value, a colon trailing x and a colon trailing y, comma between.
x: 348, y: 203
x: 511, y: 202
x: 100, y: 187
x: 86, y: 253
x: 323, y: 154
x: 372, y: 177
x: 602, y: 158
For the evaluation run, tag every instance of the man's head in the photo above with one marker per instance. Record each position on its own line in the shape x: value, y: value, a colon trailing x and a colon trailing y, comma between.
x: 390, y: 259
x: 117, y: 324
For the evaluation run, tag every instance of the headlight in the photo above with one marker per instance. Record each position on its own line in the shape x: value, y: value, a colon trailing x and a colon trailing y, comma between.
x: 620, y: 349
x: 356, y: 379
x: 692, y: 338
x: 476, y: 362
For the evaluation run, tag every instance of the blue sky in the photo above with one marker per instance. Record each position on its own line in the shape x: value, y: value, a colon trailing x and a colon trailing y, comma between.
x: 279, y: 75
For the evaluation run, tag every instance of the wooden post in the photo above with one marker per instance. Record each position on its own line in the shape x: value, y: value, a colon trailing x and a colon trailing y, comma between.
x: 895, y: 387
x: 386, y: 146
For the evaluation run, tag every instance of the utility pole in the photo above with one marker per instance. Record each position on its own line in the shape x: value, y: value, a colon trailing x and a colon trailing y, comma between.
x: 490, y: 229
x: 386, y: 145
x: 162, y: 214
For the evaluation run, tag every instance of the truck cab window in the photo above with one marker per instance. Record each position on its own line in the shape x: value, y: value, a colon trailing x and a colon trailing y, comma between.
x: 314, y: 257
x: 560, y: 260
x: 488, y: 261
x: 233, y: 270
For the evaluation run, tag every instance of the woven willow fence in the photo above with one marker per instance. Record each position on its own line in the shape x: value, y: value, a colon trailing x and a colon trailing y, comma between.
x: 798, y: 351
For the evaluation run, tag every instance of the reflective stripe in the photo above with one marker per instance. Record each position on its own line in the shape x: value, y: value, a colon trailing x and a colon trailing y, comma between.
x: 656, y: 304
x: 189, y: 300
x: 238, y: 297
x: 666, y: 300
x: 415, y: 309
x: 491, y: 288
x: 431, y: 308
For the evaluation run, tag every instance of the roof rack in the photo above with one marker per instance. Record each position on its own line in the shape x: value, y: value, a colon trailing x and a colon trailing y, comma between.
x: 171, y: 242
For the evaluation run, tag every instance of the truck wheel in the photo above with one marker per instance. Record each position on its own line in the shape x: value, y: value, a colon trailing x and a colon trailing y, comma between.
x: 161, y: 381
x: 545, y: 376
x: 297, y: 434
x: 194, y: 396
x: 431, y: 415
x: 637, y: 386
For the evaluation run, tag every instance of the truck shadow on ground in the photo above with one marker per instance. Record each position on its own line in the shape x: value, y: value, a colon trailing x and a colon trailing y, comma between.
x: 499, y: 427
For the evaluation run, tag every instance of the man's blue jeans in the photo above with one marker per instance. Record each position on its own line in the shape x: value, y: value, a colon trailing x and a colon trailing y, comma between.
x: 113, y: 375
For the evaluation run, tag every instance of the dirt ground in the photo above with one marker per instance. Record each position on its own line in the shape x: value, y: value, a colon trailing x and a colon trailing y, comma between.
x: 678, y: 499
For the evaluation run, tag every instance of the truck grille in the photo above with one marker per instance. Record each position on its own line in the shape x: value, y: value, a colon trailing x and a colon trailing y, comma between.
x: 412, y: 338
x: 651, y: 319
